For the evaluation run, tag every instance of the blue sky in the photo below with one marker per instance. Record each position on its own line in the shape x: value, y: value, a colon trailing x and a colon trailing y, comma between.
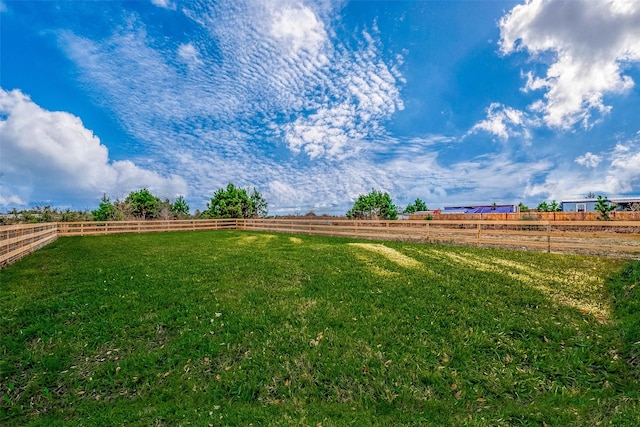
x: 314, y: 103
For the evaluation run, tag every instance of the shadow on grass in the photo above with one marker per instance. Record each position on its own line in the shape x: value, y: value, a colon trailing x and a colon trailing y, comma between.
x: 625, y: 290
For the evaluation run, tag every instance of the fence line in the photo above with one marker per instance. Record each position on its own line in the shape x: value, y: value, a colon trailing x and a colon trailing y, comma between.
x: 619, y: 238
x: 121, y: 227
x: 530, y: 216
x: 18, y: 241
x: 610, y: 238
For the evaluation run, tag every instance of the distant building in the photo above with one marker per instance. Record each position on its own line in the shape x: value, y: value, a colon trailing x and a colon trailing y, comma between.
x: 589, y: 205
x: 481, y: 209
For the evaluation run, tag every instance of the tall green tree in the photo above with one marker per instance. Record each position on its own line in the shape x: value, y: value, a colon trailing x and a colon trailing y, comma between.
x: 375, y: 205
x: 604, y: 207
x: 549, y: 207
x: 106, y: 211
x: 142, y: 204
x: 234, y: 202
x: 417, y: 206
x: 260, y: 205
x: 180, y: 208
x: 543, y: 207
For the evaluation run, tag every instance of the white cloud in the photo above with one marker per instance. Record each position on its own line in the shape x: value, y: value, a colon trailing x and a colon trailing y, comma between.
x: 589, y: 160
x: 363, y: 92
x: 277, y: 66
x: 11, y: 200
x: 338, y: 106
x: 298, y: 28
x: 504, y: 122
x: 285, y: 193
x: 326, y: 185
x: 189, y: 54
x: 46, y: 154
x: 591, y: 43
x: 623, y: 176
x: 166, y: 4
x: 612, y: 173
x: 277, y: 102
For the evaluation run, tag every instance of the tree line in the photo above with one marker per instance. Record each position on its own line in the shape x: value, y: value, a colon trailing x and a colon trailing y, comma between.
x: 234, y: 202
x: 378, y: 205
x: 41, y: 214
x: 229, y: 202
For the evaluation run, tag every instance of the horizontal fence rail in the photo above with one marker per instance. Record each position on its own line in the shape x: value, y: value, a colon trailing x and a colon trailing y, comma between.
x: 18, y: 241
x: 122, y: 227
x: 529, y: 216
x: 619, y: 238
x: 608, y: 238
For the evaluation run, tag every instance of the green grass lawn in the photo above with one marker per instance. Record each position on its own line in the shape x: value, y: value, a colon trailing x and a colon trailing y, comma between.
x: 246, y: 328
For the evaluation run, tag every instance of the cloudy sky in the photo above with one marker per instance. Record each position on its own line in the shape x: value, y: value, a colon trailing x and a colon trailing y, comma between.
x: 316, y: 102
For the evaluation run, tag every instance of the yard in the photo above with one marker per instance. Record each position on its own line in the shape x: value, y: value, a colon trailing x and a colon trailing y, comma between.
x: 239, y: 328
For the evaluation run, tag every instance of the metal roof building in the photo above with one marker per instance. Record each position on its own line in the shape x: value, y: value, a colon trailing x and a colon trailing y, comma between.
x: 589, y: 205
x: 481, y: 209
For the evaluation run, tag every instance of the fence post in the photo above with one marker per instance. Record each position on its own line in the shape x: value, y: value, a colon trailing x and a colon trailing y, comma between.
x: 479, y: 234
x: 548, y: 238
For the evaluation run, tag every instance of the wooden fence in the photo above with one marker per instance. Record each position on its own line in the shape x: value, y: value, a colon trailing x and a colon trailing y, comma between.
x: 619, y: 238
x: 609, y: 238
x: 121, y: 227
x: 17, y: 241
x: 530, y: 216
